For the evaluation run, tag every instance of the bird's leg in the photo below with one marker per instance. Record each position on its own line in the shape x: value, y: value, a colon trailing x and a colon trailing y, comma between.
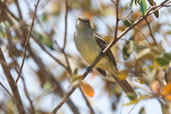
x: 89, y: 69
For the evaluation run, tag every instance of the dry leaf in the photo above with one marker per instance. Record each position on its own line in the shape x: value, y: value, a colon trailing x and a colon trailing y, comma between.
x: 88, y: 90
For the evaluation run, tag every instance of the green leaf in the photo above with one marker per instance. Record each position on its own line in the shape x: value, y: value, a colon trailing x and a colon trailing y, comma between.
x: 168, y: 56
x: 131, y: 4
x: 137, y: 1
x: 47, y: 42
x: 143, y: 7
x: 47, y: 86
x: 127, y: 23
x: 132, y: 96
x: 44, y: 18
x: 142, y: 111
x: 76, y: 71
x: 162, y: 61
x: 156, y: 13
x: 125, y: 49
x: 153, y: 3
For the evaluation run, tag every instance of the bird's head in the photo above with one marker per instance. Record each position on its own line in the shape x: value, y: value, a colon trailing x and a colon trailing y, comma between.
x: 83, y: 23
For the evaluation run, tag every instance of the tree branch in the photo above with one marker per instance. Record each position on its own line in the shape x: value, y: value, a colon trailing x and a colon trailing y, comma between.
x: 65, y: 36
x: 117, y: 19
x: 27, y: 40
x: 151, y: 33
x: 12, y: 84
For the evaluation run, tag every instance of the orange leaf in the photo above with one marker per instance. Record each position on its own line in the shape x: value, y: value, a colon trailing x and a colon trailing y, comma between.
x: 167, y: 89
x: 168, y: 97
x: 89, y: 91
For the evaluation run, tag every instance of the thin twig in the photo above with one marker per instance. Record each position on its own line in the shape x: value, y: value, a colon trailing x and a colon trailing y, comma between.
x: 66, y: 24
x: 19, y: 10
x: 2, y: 4
x: 27, y: 40
x: 103, y: 53
x: 87, y: 101
x: 6, y: 90
x: 117, y: 19
x: 44, y: 49
x: 28, y: 97
x: 65, y: 36
x: 151, y: 33
x: 133, y: 108
x: 11, y: 14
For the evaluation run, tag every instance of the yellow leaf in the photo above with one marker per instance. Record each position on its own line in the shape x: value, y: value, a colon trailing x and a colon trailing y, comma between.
x: 77, y: 78
x: 88, y: 90
x: 108, y: 39
x: 141, y: 81
x: 123, y: 74
x: 136, y: 100
x: 156, y: 64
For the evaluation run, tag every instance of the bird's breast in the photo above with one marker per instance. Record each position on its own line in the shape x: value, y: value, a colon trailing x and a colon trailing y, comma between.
x: 88, y: 47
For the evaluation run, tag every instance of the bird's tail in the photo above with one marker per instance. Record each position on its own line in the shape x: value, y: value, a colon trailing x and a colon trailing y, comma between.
x: 127, y: 88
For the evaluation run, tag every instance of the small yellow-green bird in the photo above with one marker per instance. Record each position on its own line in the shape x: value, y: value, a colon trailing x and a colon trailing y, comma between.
x: 90, y: 45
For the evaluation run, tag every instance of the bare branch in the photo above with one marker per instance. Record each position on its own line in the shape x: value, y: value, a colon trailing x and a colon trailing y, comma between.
x: 28, y: 97
x: 66, y: 24
x: 12, y: 84
x: 65, y: 37
x: 117, y: 19
x: 151, y: 33
x: 44, y: 49
x: 6, y: 90
x: 19, y: 10
x: 27, y: 40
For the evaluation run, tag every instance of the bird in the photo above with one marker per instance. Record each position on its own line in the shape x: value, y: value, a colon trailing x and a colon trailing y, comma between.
x: 89, y: 45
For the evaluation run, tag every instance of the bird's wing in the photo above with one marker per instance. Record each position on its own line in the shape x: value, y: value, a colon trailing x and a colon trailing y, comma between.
x: 103, y: 45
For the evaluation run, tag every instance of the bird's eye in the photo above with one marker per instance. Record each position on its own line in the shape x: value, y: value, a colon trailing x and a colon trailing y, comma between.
x: 86, y: 20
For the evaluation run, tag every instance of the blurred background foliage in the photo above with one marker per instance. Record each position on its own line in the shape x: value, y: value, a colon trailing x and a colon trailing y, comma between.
x: 51, y: 68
